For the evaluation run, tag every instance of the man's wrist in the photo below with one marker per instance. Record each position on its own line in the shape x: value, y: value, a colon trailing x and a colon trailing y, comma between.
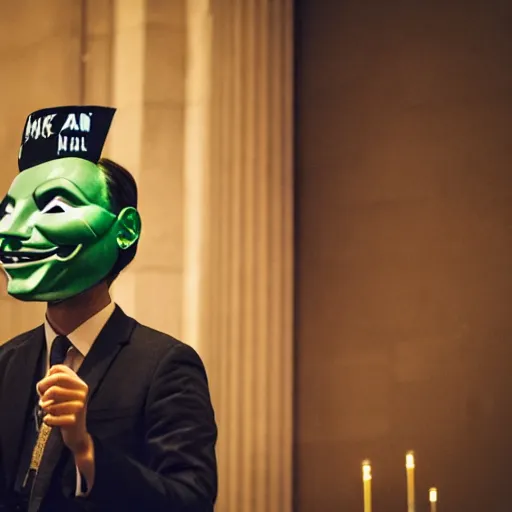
x: 84, y: 461
x: 84, y: 449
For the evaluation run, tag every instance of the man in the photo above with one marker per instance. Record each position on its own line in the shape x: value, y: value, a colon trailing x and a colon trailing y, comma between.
x: 97, y: 412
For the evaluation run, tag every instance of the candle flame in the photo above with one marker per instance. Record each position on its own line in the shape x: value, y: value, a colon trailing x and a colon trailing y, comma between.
x: 432, y: 495
x: 367, y: 470
x: 409, y: 460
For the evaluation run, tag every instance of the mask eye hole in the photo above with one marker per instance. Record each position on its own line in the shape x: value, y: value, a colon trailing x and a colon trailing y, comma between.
x: 6, y: 208
x: 56, y: 205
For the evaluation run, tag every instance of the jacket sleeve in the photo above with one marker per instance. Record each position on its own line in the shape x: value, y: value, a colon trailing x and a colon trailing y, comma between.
x: 3, y: 486
x: 180, y: 437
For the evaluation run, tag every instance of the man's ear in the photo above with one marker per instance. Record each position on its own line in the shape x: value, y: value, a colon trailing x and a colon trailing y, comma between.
x: 128, y: 227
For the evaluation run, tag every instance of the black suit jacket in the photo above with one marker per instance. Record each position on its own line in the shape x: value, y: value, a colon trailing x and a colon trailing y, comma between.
x: 149, y: 414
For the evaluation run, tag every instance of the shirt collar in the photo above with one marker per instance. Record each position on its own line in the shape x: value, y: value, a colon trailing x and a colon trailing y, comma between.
x: 85, y: 334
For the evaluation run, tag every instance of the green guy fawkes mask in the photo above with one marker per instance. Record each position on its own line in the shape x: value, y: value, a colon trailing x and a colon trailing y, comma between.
x: 58, y: 234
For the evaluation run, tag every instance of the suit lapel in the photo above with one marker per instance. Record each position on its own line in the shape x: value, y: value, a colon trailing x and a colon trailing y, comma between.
x: 105, y: 349
x: 111, y: 339
x: 18, y: 390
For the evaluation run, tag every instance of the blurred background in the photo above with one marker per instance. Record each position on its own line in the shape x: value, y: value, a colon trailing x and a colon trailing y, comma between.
x: 325, y: 189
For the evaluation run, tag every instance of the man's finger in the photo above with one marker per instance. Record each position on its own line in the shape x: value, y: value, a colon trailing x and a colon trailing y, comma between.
x: 61, y: 368
x: 61, y: 379
x: 60, y: 421
x: 64, y: 408
x: 44, y: 404
x: 59, y: 394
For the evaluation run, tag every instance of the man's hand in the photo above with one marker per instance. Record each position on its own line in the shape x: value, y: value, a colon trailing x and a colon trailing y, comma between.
x: 64, y: 403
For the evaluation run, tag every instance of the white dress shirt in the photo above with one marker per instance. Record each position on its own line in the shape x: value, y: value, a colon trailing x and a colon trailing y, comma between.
x: 82, y: 339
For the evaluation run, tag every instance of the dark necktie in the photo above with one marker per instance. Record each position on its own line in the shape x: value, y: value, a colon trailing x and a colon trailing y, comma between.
x: 59, y: 350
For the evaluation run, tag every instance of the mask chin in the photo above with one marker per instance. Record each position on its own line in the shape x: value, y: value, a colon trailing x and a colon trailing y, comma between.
x: 65, y: 280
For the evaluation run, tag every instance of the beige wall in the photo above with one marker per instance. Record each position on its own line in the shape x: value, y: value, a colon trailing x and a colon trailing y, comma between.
x: 404, y: 246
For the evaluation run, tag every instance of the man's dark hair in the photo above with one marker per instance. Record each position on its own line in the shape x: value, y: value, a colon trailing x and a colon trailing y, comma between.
x: 122, y: 191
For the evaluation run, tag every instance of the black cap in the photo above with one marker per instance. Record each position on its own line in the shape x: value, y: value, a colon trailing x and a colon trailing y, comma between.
x: 64, y: 132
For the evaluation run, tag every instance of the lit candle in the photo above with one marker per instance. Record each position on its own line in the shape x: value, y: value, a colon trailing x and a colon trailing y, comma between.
x: 432, y: 497
x: 409, y: 467
x: 367, y: 486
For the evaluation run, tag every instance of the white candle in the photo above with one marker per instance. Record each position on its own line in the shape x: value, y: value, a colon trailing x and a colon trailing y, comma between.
x: 432, y: 497
x: 367, y: 486
x: 409, y: 467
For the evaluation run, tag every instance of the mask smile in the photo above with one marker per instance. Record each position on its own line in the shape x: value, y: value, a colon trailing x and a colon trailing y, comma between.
x: 28, y: 257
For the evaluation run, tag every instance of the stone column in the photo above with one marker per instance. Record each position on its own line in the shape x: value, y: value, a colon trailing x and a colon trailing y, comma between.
x: 243, y: 224
x: 127, y: 93
x: 147, y: 87
x: 196, y: 165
